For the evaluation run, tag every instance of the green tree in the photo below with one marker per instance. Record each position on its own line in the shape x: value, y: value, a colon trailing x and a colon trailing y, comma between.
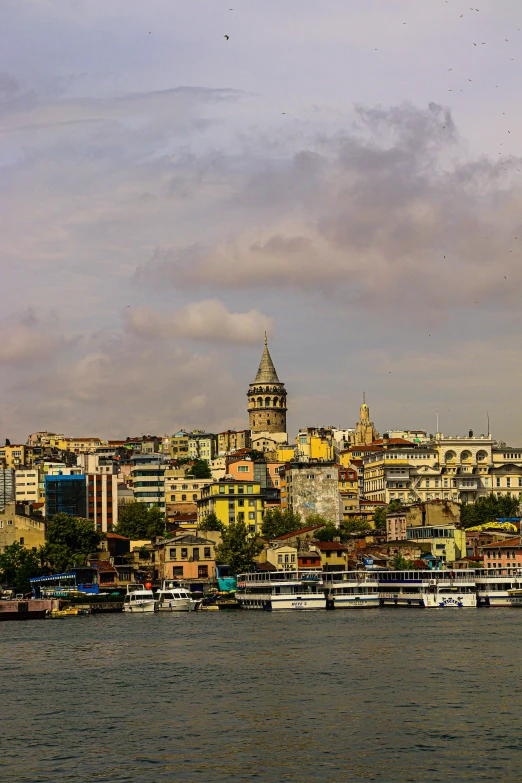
x: 211, y: 522
x: 137, y: 521
x: 69, y: 541
x: 278, y: 523
x: 17, y: 565
x: 327, y: 533
x: 200, y: 469
x: 355, y: 526
x: 487, y: 509
x: 238, y: 548
x: 379, y: 515
x: 399, y: 563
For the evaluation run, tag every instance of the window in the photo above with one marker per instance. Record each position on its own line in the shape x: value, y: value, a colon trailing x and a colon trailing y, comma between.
x: 203, y: 572
x: 292, y: 558
x: 508, y: 482
x: 498, y: 482
x: 172, y: 554
x: 194, y: 497
x: 206, y: 552
x: 241, y: 503
x: 184, y: 553
x: 252, y: 503
x: 280, y: 558
x: 242, y: 468
x: 240, y: 516
x: 251, y: 528
x: 251, y: 514
x: 231, y: 490
x: 184, y: 486
x: 310, y: 476
x: 195, y: 553
x: 221, y: 489
x: 172, y: 498
x: 22, y: 540
x: 177, y: 571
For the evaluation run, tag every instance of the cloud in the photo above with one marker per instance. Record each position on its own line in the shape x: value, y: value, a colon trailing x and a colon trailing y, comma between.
x: 396, y: 204
x: 26, y: 339
x: 209, y: 321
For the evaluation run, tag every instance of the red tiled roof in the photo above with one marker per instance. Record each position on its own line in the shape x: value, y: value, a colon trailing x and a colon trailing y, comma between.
x: 103, y: 565
x: 330, y: 546
x: 507, y: 543
x: 297, y: 532
x: 116, y: 535
x: 309, y: 555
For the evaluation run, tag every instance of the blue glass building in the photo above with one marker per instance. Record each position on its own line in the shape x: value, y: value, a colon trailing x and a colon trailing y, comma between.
x: 66, y: 495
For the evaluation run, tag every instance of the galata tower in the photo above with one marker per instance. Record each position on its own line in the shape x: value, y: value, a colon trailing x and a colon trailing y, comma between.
x: 267, y: 398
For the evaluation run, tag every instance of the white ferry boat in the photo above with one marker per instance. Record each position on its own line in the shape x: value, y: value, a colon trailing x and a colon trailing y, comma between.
x: 174, y: 598
x: 276, y: 590
x: 139, y: 599
x: 499, y: 587
x: 351, y: 589
x: 427, y: 589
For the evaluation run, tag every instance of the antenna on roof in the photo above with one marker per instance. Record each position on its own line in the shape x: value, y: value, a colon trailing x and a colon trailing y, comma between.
x: 437, y: 413
x: 489, y: 432
x: 364, y: 397
x: 266, y: 341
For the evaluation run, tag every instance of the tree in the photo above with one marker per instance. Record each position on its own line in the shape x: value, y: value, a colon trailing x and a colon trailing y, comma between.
x: 238, y: 548
x: 488, y: 509
x: 69, y: 541
x: 211, y: 522
x: 379, y: 515
x: 17, y: 565
x: 355, y: 526
x: 399, y: 563
x: 328, y: 532
x: 278, y: 523
x: 200, y: 469
x: 137, y: 521
x: 7, y: 442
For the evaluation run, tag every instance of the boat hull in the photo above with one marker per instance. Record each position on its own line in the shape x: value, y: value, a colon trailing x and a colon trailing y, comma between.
x: 278, y: 603
x: 431, y: 600
x: 141, y: 608
x: 178, y: 605
x: 355, y: 601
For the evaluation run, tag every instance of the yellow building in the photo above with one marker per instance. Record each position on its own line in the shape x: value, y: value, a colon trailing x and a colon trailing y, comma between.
x: 84, y: 445
x: 285, y: 454
x: 232, y: 440
x: 334, y: 555
x: 29, y: 531
x: 178, y: 445
x: 233, y: 501
x: 283, y: 558
x: 316, y: 443
x: 445, y: 542
x: 14, y: 456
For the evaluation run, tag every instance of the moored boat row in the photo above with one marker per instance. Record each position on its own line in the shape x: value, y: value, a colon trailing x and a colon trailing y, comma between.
x: 306, y: 590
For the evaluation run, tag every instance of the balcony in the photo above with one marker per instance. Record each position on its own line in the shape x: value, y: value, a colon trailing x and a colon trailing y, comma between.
x: 393, y: 475
x: 467, y: 485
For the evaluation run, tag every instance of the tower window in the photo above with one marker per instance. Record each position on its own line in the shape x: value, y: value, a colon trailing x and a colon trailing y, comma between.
x: 267, y: 402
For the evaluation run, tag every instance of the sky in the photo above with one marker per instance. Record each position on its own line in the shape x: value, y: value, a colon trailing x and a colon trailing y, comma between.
x: 180, y: 176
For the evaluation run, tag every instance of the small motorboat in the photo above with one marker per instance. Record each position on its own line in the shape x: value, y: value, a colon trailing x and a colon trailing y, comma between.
x: 174, y: 598
x: 140, y: 598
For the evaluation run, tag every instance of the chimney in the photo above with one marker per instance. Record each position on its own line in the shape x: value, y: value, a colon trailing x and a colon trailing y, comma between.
x: 471, y: 433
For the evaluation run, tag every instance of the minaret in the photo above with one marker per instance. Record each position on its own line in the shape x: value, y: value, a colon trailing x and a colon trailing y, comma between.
x: 267, y: 398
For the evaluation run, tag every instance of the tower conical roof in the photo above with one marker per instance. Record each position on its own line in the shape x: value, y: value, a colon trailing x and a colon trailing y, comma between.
x: 266, y: 372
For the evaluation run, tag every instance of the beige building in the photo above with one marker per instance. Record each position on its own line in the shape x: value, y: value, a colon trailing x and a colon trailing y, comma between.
x: 233, y: 440
x: 24, y: 529
x: 188, y: 557
x: 365, y: 431
x: 202, y: 445
x: 283, y: 558
x: 27, y: 485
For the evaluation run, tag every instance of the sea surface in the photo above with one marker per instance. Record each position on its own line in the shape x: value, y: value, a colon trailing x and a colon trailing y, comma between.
x: 354, y: 695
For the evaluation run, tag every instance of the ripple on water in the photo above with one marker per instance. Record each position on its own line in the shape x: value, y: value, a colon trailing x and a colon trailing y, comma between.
x: 341, y: 696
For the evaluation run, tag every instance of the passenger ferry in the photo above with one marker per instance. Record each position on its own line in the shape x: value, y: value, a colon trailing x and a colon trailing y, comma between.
x: 276, y: 590
x: 499, y: 587
x: 174, y: 598
x: 139, y: 599
x: 427, y: 588
x: 351, y: 589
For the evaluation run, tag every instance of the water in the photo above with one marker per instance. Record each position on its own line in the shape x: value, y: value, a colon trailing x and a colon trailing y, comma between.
x: 370, y: 695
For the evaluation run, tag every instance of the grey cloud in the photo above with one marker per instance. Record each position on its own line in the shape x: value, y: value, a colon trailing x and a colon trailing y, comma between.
x: 396, y: 203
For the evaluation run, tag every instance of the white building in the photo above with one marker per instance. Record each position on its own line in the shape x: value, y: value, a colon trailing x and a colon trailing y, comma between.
x: 27, y: 485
